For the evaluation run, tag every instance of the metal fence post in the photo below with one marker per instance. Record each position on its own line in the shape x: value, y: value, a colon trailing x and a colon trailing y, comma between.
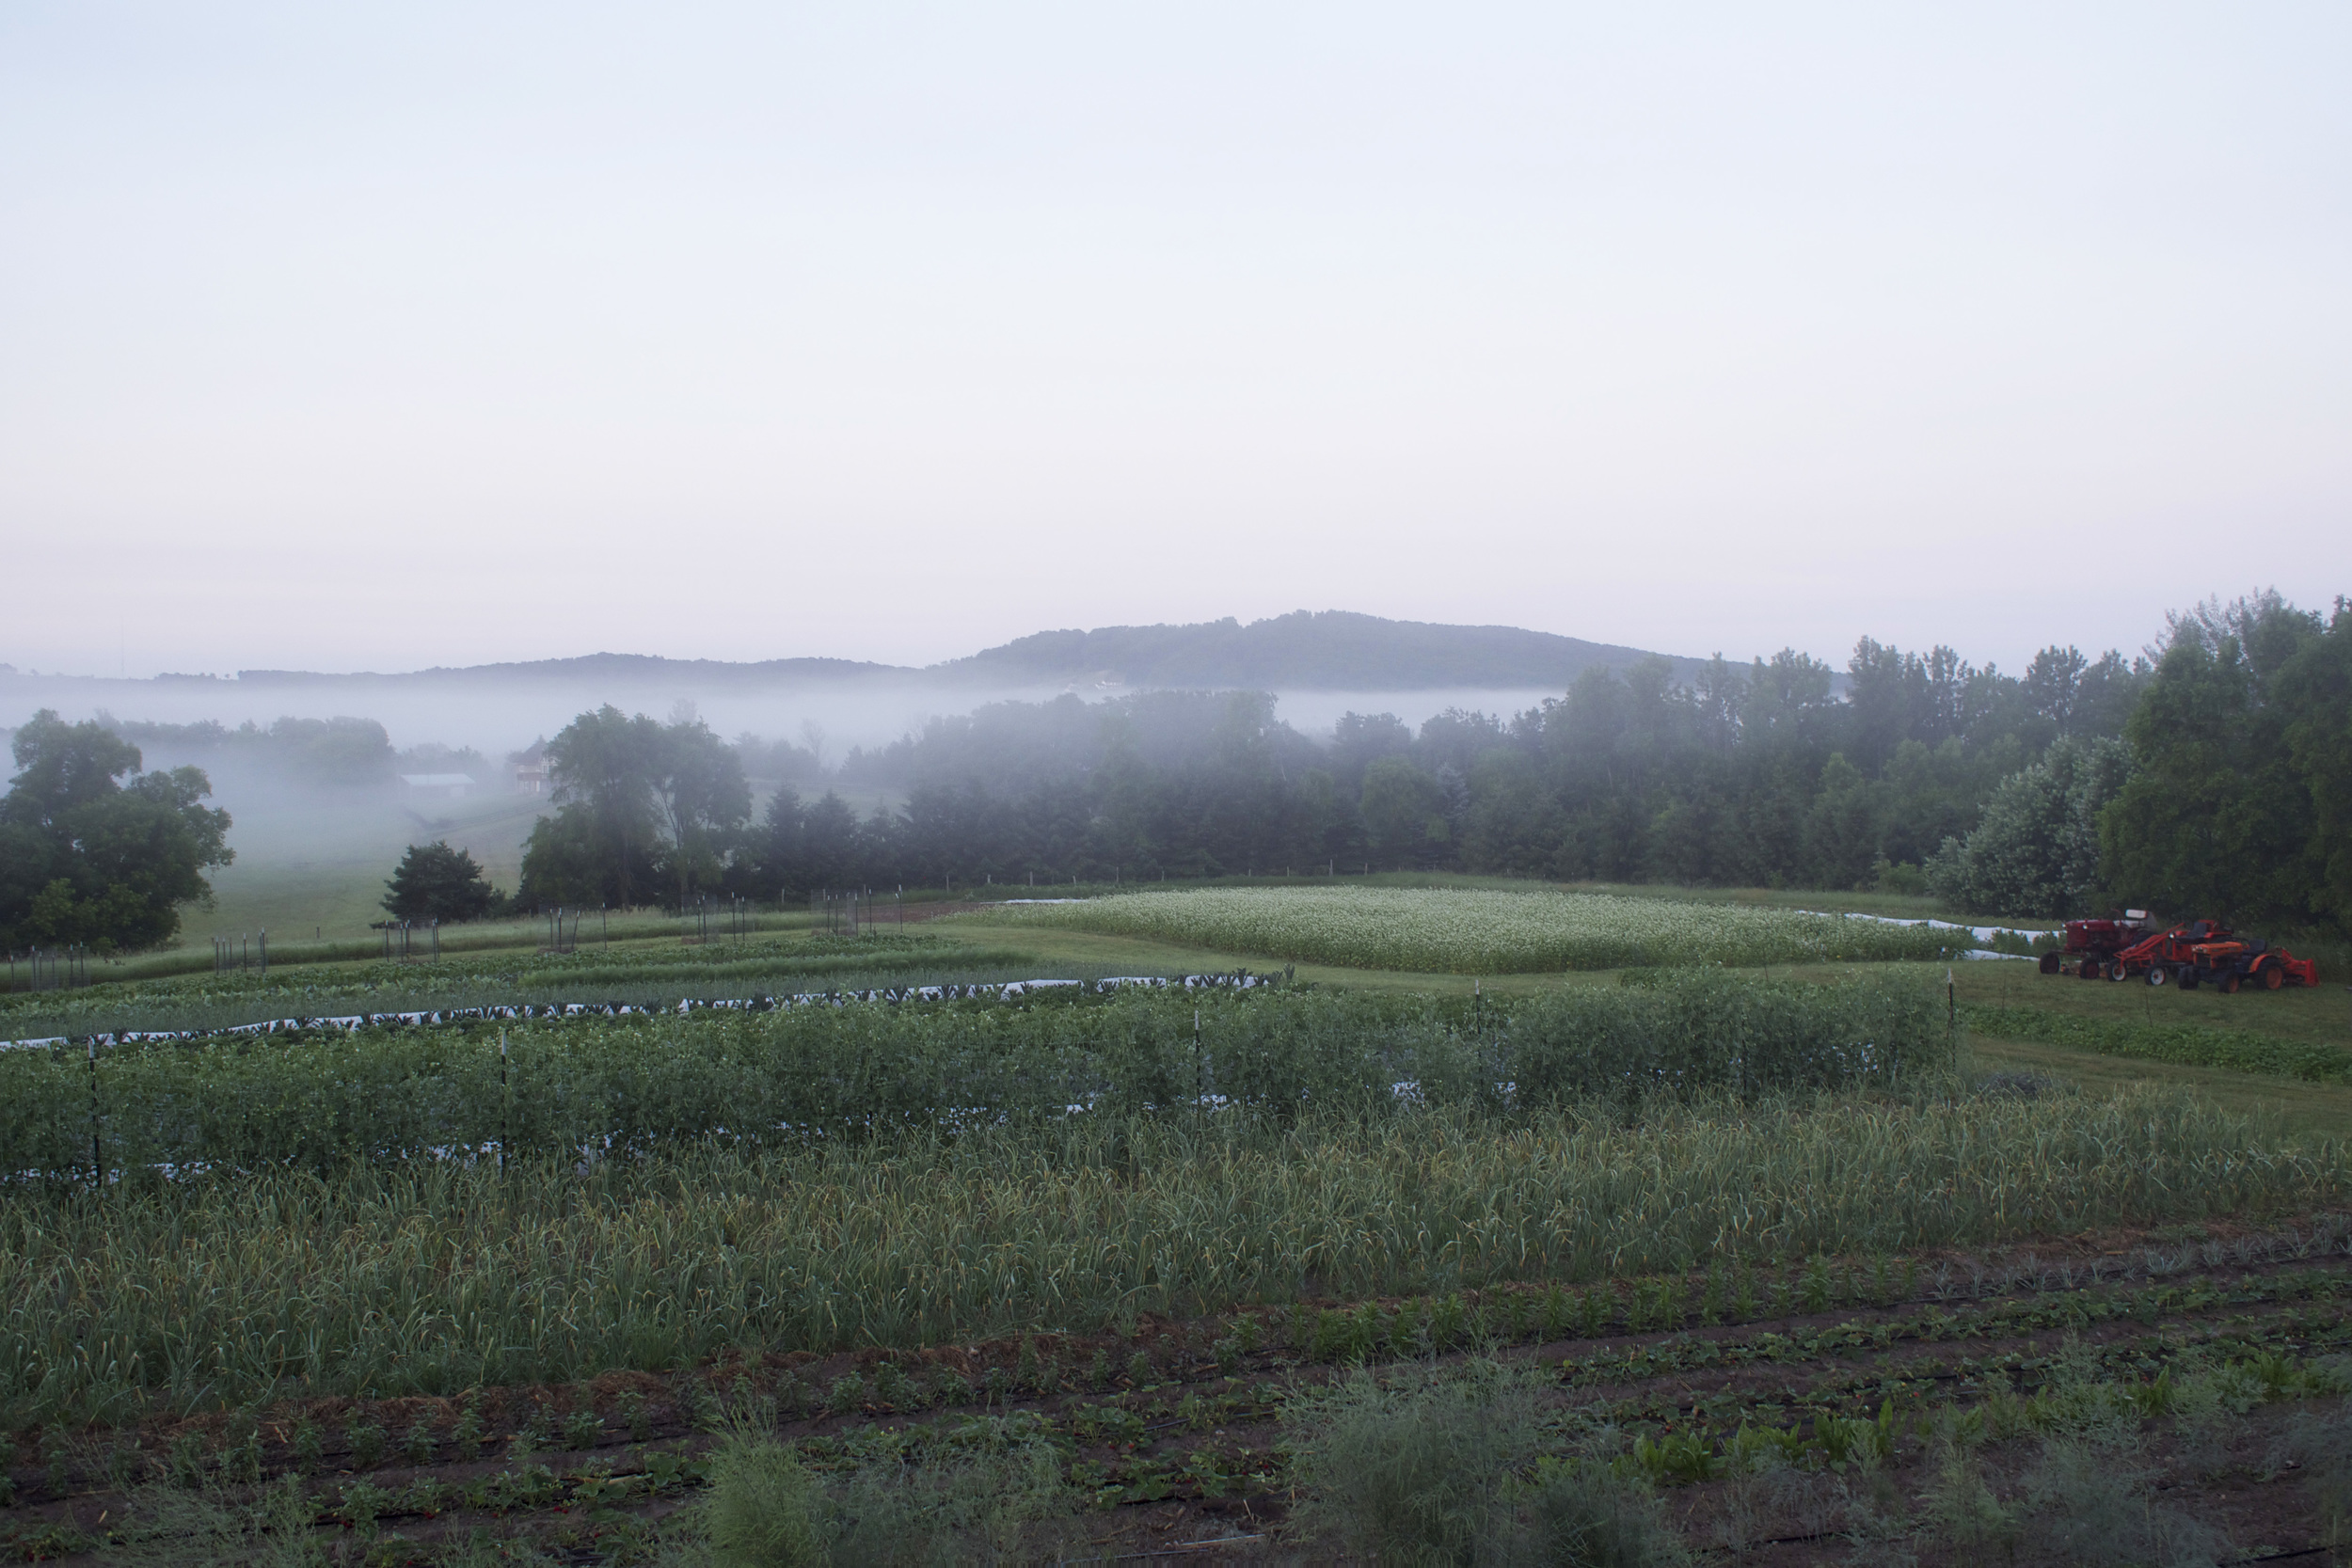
x: 97, y: 1163
x: 1200, y: 1076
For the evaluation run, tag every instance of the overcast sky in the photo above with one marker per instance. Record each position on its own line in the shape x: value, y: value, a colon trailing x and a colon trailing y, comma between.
x: 342, y: 337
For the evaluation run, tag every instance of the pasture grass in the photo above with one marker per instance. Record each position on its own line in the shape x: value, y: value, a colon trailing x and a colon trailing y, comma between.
x: 320, y: 863
x: 2320, y: 1014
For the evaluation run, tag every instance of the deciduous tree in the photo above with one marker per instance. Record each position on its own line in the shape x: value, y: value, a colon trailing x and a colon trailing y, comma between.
x: 87, y: 858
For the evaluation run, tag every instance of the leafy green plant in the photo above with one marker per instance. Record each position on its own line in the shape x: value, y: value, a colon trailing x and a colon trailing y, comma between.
x: 187, y: 1461
x: 893, y: 1387
x: 362, y: 1505
x: 241, y: 1460
x: 1676, y: 1457
x: 367, y: 1441
x: 465, y: 1433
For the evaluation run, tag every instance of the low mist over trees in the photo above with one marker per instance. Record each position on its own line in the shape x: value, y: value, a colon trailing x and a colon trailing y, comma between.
x: 337, y: 752
x: 2218, y: 778
x: 645, y: 812
x: 1753, y: 775
x: 88, y: 858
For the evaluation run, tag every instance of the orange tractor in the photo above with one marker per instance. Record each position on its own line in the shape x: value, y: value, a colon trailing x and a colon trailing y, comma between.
x: 2195, y: 952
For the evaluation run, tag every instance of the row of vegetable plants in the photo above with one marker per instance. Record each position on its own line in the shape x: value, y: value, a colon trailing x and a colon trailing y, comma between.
x: 476, y: 978
x: 602, y: 1087
x: 433, y: 1277
x: 1157, y: 1428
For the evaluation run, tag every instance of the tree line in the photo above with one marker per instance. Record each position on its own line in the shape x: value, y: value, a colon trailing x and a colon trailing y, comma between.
x: 2215, y: 776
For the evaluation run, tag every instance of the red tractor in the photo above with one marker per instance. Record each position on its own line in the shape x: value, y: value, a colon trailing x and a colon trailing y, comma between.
x: 2092, y: 947
x: 2200, y: 952
x: 2230, y: 961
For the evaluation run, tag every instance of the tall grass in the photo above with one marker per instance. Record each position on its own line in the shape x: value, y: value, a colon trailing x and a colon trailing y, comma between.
x: 323, y: 1099
x: 432, y: 1277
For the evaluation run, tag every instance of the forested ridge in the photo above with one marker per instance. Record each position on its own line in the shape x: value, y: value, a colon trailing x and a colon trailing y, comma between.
x: 1330, y: 650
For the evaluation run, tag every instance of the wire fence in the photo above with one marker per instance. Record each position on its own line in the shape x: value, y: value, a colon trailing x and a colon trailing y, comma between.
x: 49, y: 968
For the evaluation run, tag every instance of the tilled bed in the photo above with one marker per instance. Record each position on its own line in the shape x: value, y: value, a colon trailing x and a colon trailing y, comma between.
x: 1937, y: 1407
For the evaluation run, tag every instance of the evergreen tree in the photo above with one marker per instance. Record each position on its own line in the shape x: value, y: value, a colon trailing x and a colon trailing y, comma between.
x: 433, y: 881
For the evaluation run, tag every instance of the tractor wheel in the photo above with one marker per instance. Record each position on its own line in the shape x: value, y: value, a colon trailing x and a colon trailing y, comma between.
x: 2273, y: 977
x: 2229, y: 985
x: 2049, y: 963
x: 2090, y: 969
x: 2187, y: 978
x: 2117, y: 971
x: 2155, y: 974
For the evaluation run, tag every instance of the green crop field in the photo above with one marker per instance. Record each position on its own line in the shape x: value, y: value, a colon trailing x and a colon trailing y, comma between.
x: 1697, y: 1260
x: 1479, y: 931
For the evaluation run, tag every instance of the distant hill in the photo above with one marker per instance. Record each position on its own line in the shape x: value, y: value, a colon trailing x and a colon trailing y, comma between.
x: 597, y: 670
x: 1333, y: 650
x: 1327, y: 651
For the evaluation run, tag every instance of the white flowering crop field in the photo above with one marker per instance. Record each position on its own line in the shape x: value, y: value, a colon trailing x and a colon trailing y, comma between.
x: 1485, y: 932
